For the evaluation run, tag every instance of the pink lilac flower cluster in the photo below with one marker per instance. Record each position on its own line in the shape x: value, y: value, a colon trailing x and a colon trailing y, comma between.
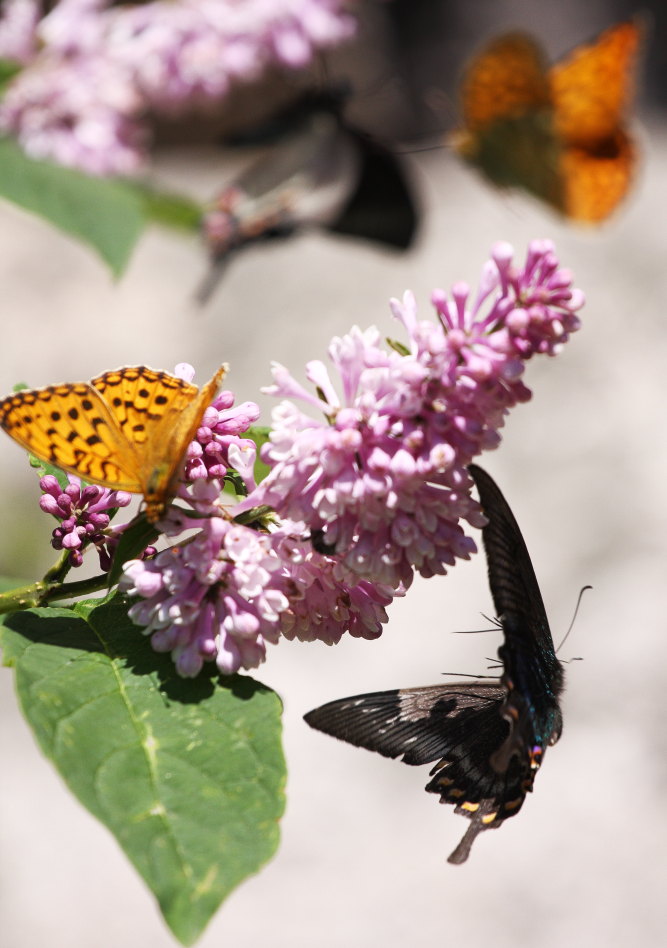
x: 218, y: 445
x: 382, y: 476
x: 84, y: 517
x: 231, y: 589
x: 93, y: 70
x: 217, y: 597
x: 322, y: 606
x: 363, y: 497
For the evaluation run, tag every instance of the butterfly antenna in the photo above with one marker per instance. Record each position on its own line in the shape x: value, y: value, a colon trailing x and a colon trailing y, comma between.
x: 472, y: 631
x: 467, y: 675
x: 495, y: 625
x: 576, y: 610
x: 417, y: 150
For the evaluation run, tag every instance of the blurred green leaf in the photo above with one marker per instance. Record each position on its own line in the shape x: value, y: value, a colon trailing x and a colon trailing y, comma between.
x: 168, y: 209
x: 102, y: 213
x: 8, y: 69
x: 11, y: 582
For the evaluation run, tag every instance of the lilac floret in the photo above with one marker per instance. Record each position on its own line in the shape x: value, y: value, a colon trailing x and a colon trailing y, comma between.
x: 83, y: 515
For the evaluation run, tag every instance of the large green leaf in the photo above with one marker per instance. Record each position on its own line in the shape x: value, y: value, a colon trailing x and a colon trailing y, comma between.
x: 104, y: 214
x: 187, y: 774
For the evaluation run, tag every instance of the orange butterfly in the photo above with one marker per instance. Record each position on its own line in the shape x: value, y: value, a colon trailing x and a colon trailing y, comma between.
x: 556, y: 132
x: 127, y: 429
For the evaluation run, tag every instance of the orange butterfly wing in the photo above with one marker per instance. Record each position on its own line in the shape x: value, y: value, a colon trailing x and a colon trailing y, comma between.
x: 595, y: 182
x: 592, y: 89
x: 71, y: 427
x: 559, y: 133
x: 594, y: 85
x: 505, y: 80
x: 159, y: 415
x: 508, y: 132
x: 127, y: 429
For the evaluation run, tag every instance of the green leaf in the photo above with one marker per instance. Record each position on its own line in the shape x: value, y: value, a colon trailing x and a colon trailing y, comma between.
x: 168, y: 209
x: 43, y: 467
x: 8, y: 69
x: 397, y: 346
x: 133, y: 541
x: 260, y: 435
x: 104, y: 214
x: 188, y: 774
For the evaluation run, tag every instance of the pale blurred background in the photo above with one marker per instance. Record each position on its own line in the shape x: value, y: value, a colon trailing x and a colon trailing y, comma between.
x: 362, y: 860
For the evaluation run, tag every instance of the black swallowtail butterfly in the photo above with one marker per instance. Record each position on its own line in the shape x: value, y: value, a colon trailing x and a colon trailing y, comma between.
x: 321, y: 172
x: 488, y: 738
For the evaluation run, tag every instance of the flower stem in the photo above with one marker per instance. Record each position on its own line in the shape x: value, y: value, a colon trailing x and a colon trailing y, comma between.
x: 60, y: 569
x: 81, y: 588
x: 24, y: 597
x: 44, y: 591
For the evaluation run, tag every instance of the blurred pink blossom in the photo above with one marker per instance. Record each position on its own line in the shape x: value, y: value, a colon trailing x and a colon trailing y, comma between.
x: 18, y: 29
x: 92, y: 70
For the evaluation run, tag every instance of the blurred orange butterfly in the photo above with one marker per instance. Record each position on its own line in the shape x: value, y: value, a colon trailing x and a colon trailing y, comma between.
x: 127, y: 429
x: 556, y: 132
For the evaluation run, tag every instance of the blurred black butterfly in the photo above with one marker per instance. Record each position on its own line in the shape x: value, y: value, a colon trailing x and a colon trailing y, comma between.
x: 489, y: 738
x: 321, y: 172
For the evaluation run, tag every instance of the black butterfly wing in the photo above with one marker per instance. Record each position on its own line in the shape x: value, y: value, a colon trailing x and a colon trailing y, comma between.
x: 532, y: 674
x: 337, y: 175
x: 382, y: 207
x: 512, y: 578
x: 422, y: 724
x: 459, y: 726
x: 321, y: 172
x: 306, y: 179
